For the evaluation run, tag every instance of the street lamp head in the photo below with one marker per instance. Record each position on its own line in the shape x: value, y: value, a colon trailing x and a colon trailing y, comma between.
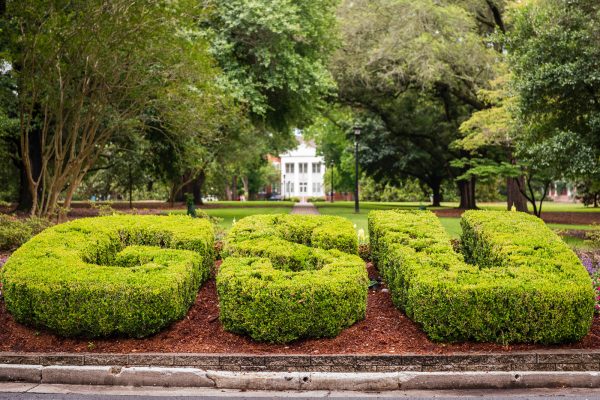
x: 357, y: 129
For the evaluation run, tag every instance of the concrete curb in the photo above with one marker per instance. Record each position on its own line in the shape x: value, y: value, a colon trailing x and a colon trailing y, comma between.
x: 280, y: 381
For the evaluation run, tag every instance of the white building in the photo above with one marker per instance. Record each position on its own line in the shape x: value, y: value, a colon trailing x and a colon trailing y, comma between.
x: 302, y: 172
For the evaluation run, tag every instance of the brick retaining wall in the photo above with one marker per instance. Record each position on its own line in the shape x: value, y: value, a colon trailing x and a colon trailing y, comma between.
x: 569, y: 360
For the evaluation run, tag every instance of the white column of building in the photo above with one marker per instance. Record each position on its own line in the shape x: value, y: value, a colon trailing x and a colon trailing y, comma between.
x: 323, y: 184
x: 296, y: 179
x: 309, y: 189
x: 282, y: 179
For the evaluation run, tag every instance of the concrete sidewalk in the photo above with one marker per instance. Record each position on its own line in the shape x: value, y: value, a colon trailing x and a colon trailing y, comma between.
x: 305, y: 209
x: 60, y: 392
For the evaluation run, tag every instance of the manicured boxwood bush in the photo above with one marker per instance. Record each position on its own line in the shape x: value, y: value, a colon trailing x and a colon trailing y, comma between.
x: 117, y: 275
x: 291, y: 276
x: 518, y: 282
x: 15, y: 231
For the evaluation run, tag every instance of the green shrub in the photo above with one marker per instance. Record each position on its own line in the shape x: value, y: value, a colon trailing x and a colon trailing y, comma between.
x: 118, y: 275
x: 14, y: 232
x: 288, y: 277
x: 521, y: 282
x: 592, y: 237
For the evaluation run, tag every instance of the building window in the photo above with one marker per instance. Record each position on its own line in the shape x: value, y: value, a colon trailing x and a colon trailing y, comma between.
x: 289, y: 168
x: 316, y: 187
x: 303, y: 168
x: 303, y: 186
x: 316, y: 168
x: 289, y: 187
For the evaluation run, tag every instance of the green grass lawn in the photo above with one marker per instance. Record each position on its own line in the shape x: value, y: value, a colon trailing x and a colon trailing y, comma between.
x: 376, y: 205
x: 547, y: 206
x: 227, y: 215
x: 346, y: 210
x: 452, y: 225
x: 249, y: 204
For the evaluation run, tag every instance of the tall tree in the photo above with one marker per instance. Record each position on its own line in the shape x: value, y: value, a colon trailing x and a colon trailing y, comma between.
x: 554, y: 58
x: 428, y: 48
x: 87, y: 71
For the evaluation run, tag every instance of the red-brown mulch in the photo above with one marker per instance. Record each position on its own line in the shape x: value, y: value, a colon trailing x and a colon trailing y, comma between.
x: 385, y: 330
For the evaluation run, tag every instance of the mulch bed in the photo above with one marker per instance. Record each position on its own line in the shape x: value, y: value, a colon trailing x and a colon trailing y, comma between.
x: 385, y: 330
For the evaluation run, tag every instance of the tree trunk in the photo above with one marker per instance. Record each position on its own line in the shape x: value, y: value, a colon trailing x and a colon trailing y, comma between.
x: 228, y: 192
x: 234, y: 188
x: 197, y: 188
x: 437, y: 193
x: 467, y: 194
x: 35, y: 156
x: 246, y: 184
x: 192, y: 187
x: 514, y: 196
x: 25, y: 201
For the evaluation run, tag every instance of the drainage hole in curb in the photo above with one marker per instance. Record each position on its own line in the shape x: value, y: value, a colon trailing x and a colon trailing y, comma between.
x: 517, y: 376
x: 305, y: 379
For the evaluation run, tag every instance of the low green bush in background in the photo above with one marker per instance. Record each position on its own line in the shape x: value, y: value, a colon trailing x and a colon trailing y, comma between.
x: 117, y: 275
x: 291, y: 276
x: 14, y: 231
x: 518, y: 282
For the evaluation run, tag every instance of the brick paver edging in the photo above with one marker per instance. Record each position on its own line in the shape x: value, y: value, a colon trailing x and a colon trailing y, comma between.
x: 564, y: 360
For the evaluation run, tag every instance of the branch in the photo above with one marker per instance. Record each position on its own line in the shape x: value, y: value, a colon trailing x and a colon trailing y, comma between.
x: 546, y: 186
x: 497, y: 15
x: 473, y: 102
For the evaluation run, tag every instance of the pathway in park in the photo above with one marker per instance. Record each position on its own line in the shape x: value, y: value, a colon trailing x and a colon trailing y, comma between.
x: 305, y: 209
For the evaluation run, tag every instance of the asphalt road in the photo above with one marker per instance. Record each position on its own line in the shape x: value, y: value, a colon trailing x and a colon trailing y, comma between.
x: 68, y: 392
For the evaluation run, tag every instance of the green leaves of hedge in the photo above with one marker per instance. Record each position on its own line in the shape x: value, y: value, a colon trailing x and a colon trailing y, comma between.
x: 288, y: 277
x: 117, y: 275
x: 519, y: 283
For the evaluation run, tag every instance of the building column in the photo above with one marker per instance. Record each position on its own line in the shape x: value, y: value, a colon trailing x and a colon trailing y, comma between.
x: 297, y: 179
x: 309, y: 184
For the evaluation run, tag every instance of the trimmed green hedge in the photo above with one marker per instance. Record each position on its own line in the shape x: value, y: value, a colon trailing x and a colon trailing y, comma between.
x: 117, y: 275
x: 291, y: 276
x: 519, y: 283
x: 14, y: 231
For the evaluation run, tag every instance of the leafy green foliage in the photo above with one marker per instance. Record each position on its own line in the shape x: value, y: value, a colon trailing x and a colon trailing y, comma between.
x: 554, y: 59
x: 554, y: 55
x: 117, y: 275
x: 274, y: 55
x: 9, y: 131
x: 290, y: 276
x: 14, y: 232
x: 408, y: 190
x: 92, y: 73
x: 527, y: 285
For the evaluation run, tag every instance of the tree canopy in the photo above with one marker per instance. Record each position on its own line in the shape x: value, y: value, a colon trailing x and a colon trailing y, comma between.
x: 163, y: 98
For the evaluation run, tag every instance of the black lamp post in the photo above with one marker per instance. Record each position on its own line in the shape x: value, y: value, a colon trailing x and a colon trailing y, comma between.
x: 356, y: 136
x: 331, y: 165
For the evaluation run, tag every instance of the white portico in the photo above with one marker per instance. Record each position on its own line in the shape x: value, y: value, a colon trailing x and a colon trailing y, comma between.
x: 302, y: 172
